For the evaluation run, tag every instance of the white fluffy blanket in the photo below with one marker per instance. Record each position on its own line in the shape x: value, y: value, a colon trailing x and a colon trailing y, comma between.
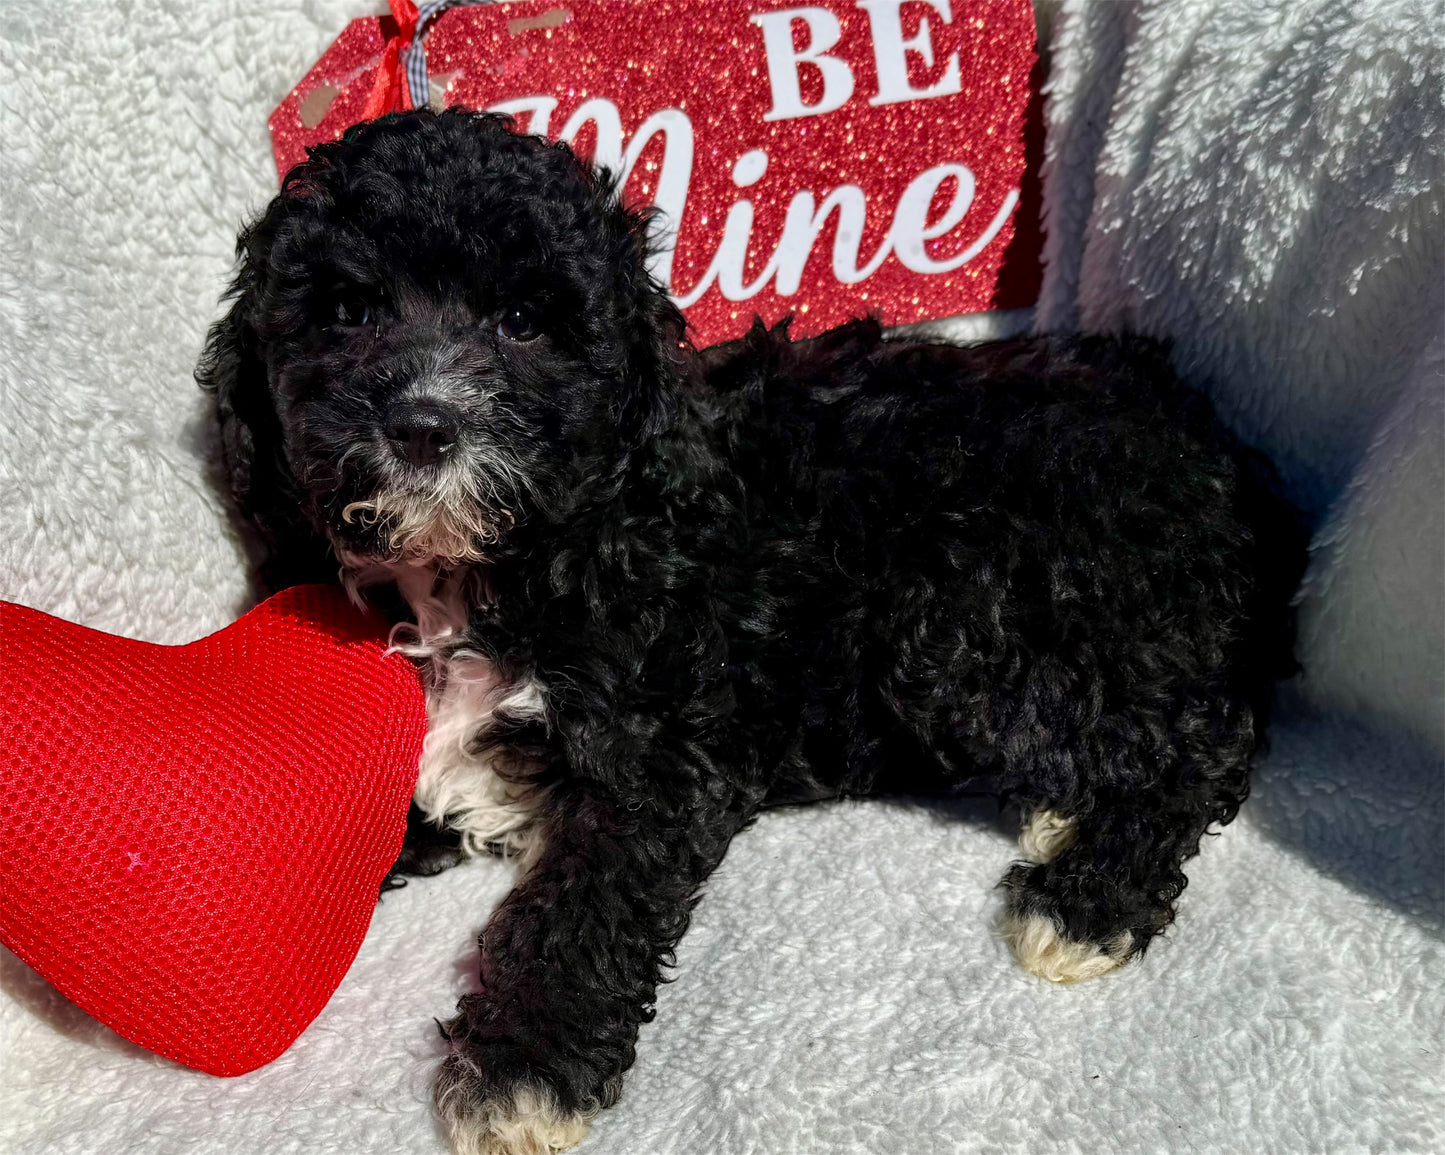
x: 1259, y: 180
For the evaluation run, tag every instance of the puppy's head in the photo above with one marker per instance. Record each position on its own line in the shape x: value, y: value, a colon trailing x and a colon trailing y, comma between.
x: 442, y: 331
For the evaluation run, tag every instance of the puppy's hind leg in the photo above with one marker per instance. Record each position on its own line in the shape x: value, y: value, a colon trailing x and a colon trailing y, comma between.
x: 1102, y: 884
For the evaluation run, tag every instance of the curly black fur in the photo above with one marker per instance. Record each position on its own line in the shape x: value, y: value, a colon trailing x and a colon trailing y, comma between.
x: 772, y: 572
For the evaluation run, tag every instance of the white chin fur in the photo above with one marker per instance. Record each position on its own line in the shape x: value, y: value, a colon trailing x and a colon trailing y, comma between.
x: 426, y: 526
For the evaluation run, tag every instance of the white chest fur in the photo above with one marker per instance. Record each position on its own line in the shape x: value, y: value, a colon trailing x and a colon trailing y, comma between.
x: 475, y: 788
x: 461, y: 784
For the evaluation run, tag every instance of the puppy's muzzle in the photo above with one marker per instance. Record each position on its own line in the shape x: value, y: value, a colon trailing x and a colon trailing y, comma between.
x: 421, y: 432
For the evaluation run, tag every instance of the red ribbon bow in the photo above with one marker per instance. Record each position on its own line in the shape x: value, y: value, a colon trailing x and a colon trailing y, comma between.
x: 389, y: 92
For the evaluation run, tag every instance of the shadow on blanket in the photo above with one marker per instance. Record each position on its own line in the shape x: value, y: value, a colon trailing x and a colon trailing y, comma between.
x: 48, y: 1005
x: 1364, y: 803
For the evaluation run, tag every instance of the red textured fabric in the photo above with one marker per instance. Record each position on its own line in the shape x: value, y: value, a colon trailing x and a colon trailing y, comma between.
x: 193, y: 837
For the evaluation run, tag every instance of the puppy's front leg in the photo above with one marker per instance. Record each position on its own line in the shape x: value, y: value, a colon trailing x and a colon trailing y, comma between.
x: 570, y: 966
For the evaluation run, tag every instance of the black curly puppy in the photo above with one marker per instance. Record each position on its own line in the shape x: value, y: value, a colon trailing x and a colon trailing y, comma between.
x: 658, y: 590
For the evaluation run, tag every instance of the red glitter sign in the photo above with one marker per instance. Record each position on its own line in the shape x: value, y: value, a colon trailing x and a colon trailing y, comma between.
x: 825, y: 160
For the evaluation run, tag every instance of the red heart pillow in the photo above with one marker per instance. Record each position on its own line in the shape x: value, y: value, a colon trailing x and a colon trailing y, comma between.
x: 194, y: 837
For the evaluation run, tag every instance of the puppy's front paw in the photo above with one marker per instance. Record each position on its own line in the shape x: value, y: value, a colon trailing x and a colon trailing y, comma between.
x: 486, y: 1116
x: 1043, y: 951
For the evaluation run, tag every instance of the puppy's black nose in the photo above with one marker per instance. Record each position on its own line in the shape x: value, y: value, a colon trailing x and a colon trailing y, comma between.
x: 421, y: 432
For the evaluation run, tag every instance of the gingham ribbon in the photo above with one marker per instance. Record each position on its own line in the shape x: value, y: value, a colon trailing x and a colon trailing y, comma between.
x: 417, y: 81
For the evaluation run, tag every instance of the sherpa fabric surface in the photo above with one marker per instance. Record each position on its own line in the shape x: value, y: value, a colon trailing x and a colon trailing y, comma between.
x: 843, y: 988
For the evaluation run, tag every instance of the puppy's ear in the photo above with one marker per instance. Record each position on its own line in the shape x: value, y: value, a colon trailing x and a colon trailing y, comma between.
x: 233, y: 368
x: 660, y: 354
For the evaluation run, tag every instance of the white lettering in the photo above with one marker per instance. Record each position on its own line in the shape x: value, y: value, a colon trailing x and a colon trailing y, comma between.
x: 728, y: 263
x: 800, y: 233
x: 890, y: 51
x: 910, y: 220
x: 673, y: 180
x: 803, y: 223
x: 785, y: 64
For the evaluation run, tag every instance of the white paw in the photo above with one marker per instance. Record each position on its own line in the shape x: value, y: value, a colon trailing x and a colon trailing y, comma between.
x: 1045, y: 835
x: 525, y: 1123
x: 1043, y: 951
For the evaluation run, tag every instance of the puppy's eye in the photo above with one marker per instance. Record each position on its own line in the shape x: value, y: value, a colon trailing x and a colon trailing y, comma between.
x: 351, y: 309
x: 517, y: 325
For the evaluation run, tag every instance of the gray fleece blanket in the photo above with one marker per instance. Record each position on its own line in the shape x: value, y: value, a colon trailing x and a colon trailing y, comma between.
x: 1259, y: 180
